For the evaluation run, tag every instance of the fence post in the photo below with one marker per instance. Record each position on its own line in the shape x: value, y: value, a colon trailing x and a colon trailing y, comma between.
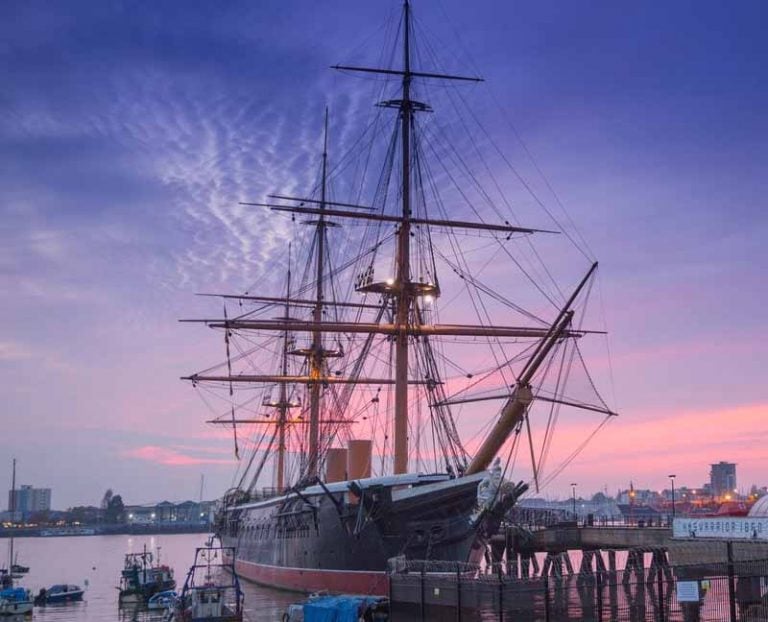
x: 731, y: 582
x: 599, y: 586
x: 501, y: 595
x: 423, y: 604
x: 660, y: 583
x: 546, y: 598
x: 458, y: 593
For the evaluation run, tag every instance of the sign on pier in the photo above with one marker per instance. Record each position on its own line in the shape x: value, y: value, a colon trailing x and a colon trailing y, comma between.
x: 721, y: 528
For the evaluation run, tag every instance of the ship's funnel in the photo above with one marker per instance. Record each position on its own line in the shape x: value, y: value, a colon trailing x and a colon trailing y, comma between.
x: 336, y: 465
x: 359, y: 459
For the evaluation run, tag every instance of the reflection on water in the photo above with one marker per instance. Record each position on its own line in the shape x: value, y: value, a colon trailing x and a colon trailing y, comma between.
x: 95, y: 562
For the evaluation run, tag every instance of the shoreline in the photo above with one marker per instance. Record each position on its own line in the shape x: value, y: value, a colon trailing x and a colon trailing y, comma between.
x: 104, y: 530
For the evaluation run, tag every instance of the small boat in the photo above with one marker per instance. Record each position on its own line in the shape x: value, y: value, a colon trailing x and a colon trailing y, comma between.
x: 162, y: 600
x: 15, y: 601
x: 67, y: 531
x: 211, y: 591
x: 141, y: 578
x: 337, y: 607
x: 60, y: 593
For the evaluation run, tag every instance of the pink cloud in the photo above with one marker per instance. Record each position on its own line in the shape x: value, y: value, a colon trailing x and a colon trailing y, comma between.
x: 172, y: 457
x: 646, y: 446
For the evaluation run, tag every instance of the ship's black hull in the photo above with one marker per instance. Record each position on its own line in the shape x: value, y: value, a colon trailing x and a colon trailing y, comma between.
x: 329, y: 539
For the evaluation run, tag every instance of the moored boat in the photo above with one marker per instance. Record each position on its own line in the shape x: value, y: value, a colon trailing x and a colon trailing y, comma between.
x: 142, y: 578
x: 15, y: 601
x: 59, y: 593
x: 319, y: 608
x: 211, y: 591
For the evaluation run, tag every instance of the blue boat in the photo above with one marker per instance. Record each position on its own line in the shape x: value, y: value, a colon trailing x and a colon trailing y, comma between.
x: 15, y: 601
x: 338, y: 608
x: 60, y: 593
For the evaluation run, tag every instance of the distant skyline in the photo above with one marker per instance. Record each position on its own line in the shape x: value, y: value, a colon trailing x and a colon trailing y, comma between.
x: 130, y: 130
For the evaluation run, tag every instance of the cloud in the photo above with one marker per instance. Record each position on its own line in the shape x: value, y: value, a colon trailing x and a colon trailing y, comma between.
x: 170, y: 456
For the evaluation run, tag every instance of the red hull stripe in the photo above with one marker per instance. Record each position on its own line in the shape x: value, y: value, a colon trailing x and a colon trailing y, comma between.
x: 369, y: 583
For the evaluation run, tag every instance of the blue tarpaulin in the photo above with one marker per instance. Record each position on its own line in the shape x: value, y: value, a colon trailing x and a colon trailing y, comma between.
x: 336, y: 608
x: 13, y: 594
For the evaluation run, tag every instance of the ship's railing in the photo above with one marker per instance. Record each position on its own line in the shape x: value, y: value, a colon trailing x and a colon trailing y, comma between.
x: 261, y: 494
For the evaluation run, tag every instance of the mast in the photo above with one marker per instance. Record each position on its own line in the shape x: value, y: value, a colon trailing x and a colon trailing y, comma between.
x: 283, y: 403
x: 13, y: 518
x: 402, y: 278
x: 516, y: 408
x: 317, y: 356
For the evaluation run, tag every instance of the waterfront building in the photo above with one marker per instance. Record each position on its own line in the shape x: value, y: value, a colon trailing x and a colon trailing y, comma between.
x: 27, y: 500
x: 167, y: 512
x: 722, y: 479
x: 638, y: 496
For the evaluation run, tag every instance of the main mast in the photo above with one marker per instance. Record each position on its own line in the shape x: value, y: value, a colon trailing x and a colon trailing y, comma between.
x: 317, y: 355
x: 403, y: 262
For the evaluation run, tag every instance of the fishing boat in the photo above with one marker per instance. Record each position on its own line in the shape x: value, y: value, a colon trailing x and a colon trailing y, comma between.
x: 59, y: 593
x: 382, y: 430
x: 14, y: 600
x: 211, y: 591
x: 142, y: 578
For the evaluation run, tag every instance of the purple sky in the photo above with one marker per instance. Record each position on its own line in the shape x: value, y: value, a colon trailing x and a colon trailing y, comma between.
x: 130, y: 130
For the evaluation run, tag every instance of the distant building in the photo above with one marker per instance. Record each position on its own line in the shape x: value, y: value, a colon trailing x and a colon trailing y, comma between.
x: 722, y: 479
x: 638, y: 496
x: 26, y: 500
x: 167, y: 512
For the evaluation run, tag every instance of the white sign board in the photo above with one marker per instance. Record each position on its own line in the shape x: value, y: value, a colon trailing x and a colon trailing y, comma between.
x: 721, y: 528
x: 687, y: 591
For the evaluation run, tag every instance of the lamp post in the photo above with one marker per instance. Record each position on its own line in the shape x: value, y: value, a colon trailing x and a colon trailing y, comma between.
x: 672, y: 479
x: 573, y: 491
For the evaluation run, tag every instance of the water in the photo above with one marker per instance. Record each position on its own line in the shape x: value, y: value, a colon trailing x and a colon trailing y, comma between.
x: 97, y: 562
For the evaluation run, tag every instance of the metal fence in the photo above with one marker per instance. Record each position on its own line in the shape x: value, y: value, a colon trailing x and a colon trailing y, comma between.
x: 430, y: 591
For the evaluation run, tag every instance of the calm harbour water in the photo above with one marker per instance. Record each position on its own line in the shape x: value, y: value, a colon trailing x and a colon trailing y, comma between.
x: 98, y: 560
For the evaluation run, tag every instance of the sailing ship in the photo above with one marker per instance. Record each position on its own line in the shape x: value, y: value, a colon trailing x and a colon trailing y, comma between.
x: 353, y: 359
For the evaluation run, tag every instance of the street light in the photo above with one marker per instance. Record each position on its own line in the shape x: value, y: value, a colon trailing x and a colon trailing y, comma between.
x: 672, y: 479
x: 573, y: 490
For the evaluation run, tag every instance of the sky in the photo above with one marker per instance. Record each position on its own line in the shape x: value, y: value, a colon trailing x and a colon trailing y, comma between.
x: 130, y: 130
